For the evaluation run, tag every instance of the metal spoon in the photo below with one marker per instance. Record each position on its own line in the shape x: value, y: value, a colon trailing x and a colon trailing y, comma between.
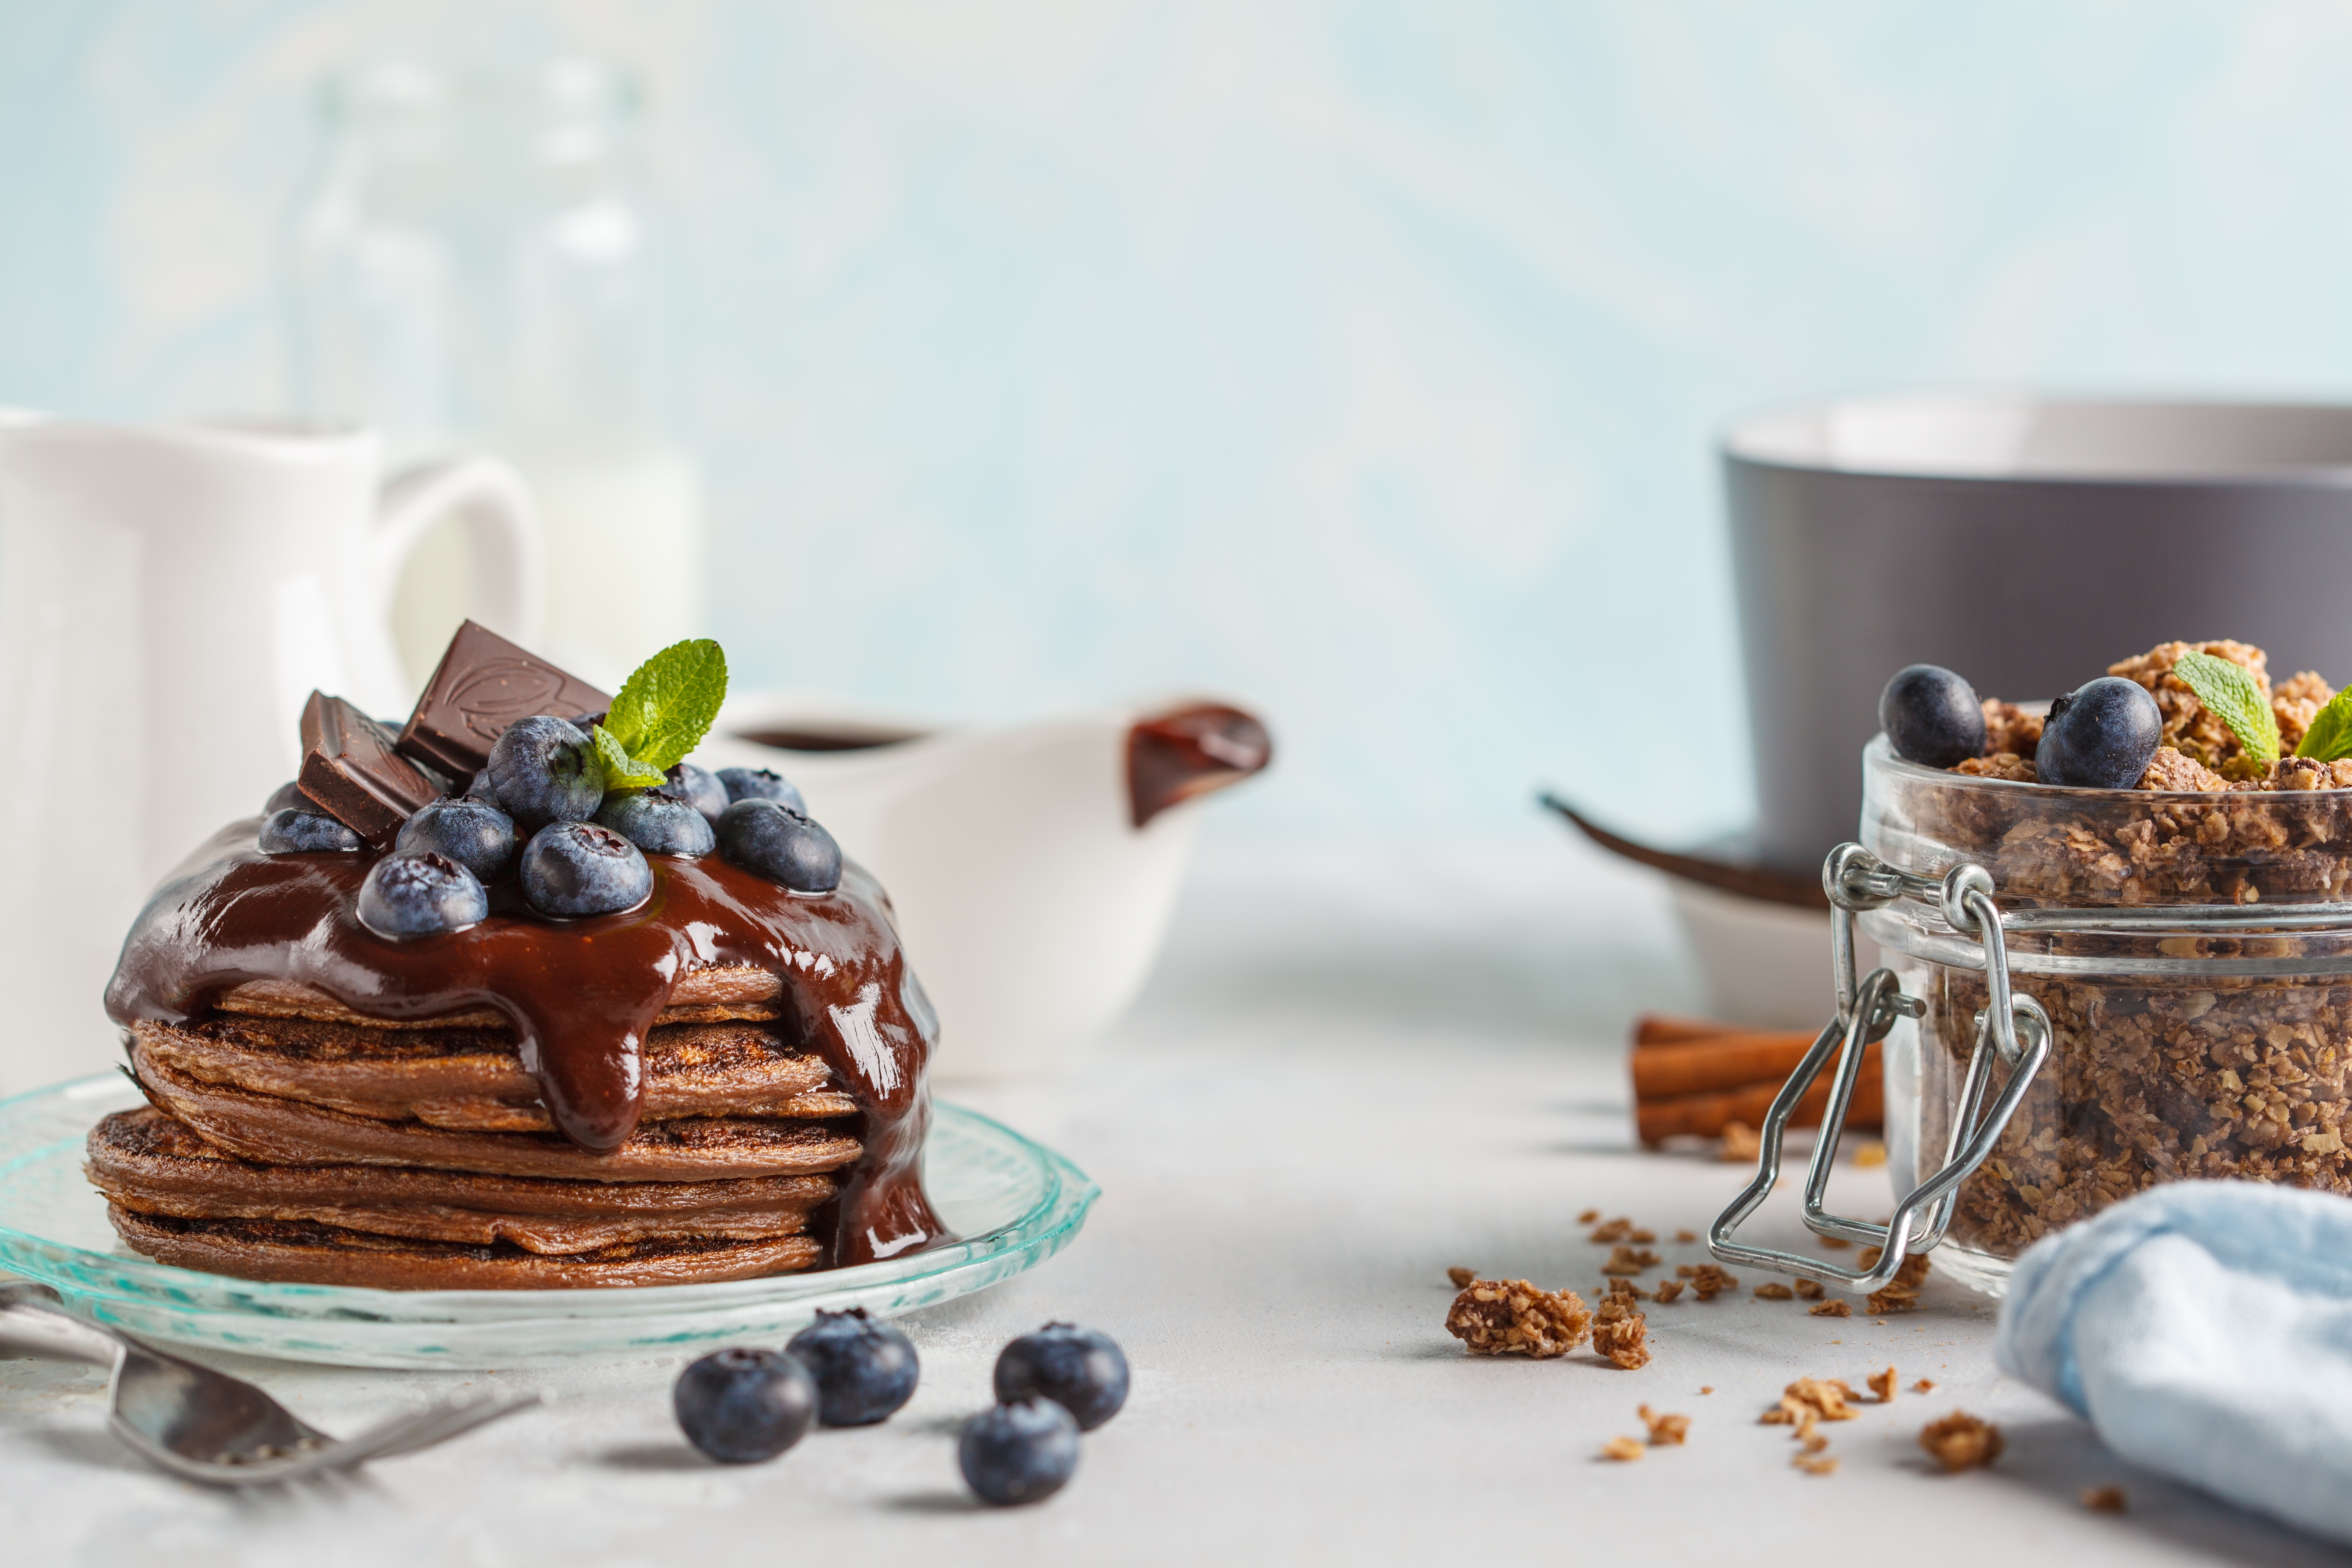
x: 206, y: 1426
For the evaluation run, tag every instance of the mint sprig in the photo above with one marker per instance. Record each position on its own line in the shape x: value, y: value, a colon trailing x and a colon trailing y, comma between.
x: 2229, y: 692
x: 663, y: 711
x: 2329, y: 738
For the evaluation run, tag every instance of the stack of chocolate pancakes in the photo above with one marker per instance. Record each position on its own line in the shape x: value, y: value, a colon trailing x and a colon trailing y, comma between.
x: 724, y: 1082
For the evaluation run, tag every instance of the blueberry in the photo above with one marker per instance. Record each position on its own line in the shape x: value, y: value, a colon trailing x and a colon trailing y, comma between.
x: 1082, y: 1370
x: 576, y: 868
x: 772, y: 841
x: 542, y: 770
x: 740, y: 1406
x: 760, y: 783
x: 1020, y: 1452
x: 474, y: 833
x: 420, y: 895
x: 286, y: 796
x: 864, y: 1368
x: 699, y: 788
x: 1931, y: 717
x: 2099, y: 736
x: 481, y: 788
x: 291, y: 830
x: 657, y: 822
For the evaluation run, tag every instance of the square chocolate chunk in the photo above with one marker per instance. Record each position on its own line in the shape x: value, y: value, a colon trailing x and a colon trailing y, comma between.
x: 349, y: 768
x: 484, y: 684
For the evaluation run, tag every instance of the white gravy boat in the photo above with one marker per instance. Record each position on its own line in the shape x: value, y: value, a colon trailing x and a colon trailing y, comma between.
x: 1033, y: 869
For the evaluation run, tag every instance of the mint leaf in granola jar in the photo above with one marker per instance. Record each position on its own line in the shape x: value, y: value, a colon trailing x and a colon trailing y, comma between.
x: 2329, y: 738
x: 2229, y: 691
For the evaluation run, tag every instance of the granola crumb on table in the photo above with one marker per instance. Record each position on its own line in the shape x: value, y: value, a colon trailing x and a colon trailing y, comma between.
x: 1882, y: 1384
x: 1773, y: 1291
x: 1630, y: 1260
x: 1667, y: 1289
x: 1808, y: 1289
x: 1925, y: 1386
x: 1622, y: 1449
x: 1588, y: 1217
x: 1960, y: 1441
x: 1614, y: 1230
x: 1708, y: 1281
x: 1816, y: 1464
x: 1511, y: 1317
x: 1664, y: 1430
x: 2103, y: 1500
x: 1741, y: 1143
x: 1830, y: 1310
x: 1463, y: 1277
x: 1620, y: 1333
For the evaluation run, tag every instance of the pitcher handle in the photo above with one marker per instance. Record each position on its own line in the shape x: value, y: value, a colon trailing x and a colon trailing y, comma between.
x: 502, y: 531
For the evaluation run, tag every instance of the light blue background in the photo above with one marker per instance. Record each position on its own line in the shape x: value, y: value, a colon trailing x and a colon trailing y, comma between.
x: 1362, y: 359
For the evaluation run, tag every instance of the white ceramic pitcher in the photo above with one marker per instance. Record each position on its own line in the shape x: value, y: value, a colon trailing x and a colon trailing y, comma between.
x: 168, y: 597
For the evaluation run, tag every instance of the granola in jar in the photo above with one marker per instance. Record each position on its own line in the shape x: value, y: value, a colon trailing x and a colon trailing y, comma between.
x: 2176, y: 1053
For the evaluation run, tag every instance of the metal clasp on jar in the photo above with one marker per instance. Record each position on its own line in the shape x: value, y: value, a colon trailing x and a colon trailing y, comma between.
x: 2012, y: 1029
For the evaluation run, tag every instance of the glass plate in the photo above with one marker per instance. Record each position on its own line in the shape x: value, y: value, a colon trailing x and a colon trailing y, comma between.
x: 1016, y: 1203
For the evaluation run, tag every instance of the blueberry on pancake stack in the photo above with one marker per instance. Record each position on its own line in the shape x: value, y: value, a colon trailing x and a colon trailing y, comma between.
x: 514, y: 997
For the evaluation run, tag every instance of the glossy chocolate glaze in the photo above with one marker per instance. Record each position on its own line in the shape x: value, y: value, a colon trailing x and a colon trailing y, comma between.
x: 581, y: 994
x: 1187, y: 751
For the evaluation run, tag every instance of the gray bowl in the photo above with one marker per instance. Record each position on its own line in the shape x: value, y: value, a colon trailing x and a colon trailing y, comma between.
x: 2025, y: 542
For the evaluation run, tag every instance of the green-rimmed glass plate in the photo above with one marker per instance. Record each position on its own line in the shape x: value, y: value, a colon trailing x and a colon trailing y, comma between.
x: 1015, y: 1203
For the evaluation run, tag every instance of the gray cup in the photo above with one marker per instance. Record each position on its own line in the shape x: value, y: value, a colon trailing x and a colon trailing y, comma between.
x: 2025, y: 542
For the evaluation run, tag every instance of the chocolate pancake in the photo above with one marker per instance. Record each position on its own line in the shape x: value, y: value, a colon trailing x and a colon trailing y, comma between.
x: 279, y: 1132
x: 723, y: 993
x: 147, y: 1163
x: 472, y: 1079
x: 300, y: 1252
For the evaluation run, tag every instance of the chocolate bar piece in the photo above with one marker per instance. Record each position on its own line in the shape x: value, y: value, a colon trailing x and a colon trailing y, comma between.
x: 484, y: 684
x: 349, y: 768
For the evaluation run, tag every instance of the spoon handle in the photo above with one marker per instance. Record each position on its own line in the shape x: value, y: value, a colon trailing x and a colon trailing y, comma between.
x: 30, y: 1327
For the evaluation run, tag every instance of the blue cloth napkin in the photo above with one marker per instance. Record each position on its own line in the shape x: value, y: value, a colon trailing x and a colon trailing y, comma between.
x: 2205, y: 1328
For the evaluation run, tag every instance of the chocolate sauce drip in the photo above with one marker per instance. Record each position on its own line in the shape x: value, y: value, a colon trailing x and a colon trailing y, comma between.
x: 582, y: 994
x: 1188, y: 751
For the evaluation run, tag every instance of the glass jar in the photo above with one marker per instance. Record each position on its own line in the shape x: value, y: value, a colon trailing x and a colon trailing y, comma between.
x: 2193, y: 953
x: 476, y: 262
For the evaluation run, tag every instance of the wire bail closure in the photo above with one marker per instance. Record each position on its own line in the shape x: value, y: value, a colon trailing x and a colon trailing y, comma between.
x: 2012, y: 1029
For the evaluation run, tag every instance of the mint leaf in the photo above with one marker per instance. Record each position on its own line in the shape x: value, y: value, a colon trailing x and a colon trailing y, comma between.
x: 2330, y: 735
x: 2228, y: 691
x: 667, y: 707
x: 623, y: 771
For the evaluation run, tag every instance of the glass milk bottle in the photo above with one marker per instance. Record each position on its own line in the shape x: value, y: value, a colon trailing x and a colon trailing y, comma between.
x: 475, y: 263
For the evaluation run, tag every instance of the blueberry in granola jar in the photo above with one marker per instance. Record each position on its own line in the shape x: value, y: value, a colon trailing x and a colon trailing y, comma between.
x: 2099, y: 736
x: 1932, y: 716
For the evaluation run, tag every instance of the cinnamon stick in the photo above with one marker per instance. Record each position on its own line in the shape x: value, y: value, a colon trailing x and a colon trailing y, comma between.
x: 1655, y: 1120
x: 1728, y: 1061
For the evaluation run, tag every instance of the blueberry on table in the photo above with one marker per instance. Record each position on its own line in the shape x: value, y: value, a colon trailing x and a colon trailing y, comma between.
x: 1020, y: 1452
x: 760, y: 783
x: 474, y: 833
x: 864, y: 1368
x: 576, y: 868
x: 2099, y: 736
x: 771, y: 840
x: 740, y: 1406
x: 699, y: 787
x: 421, y: 895
x: 1931, y: 717
x: 291, y: 830
x: 543, y: 770
x: 1082, y: 1370
x: 657, y: 823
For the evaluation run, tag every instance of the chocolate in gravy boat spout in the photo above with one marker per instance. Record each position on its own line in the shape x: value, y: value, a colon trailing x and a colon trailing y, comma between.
x: 582, y: 994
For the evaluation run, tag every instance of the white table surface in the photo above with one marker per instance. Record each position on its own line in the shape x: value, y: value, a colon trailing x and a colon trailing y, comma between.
x: 1352, y: 1070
